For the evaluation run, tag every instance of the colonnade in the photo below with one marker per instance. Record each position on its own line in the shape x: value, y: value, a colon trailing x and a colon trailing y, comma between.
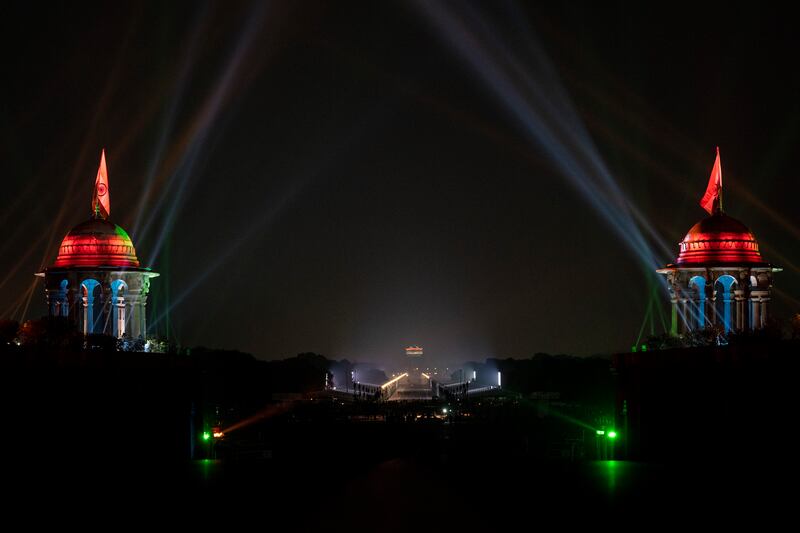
x: 736, y: 299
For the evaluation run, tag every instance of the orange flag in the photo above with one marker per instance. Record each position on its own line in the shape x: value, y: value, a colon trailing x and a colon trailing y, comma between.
x: 712, y: 199
x: 101, y: 204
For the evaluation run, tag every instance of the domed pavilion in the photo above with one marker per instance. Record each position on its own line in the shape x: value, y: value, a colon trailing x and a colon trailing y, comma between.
x: 96, y: 279
x: 719, y: 277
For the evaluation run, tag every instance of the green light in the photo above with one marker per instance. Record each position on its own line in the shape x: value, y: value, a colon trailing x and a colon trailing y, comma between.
x: 633, y: 348
x: 206, y: 435
x: 612, y: 434
x: 644, y: 347
x: 121, y: 232
x: 600, y: 432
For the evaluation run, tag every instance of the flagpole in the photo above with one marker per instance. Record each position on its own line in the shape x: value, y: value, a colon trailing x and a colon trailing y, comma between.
x: 720, y: 181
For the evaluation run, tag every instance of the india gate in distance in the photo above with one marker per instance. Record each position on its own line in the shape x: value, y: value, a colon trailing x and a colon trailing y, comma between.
x: 96, y: 280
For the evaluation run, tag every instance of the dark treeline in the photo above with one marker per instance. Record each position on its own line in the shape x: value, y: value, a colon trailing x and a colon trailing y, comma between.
x: 581, y: 379
x: 74, y: 405
x: 710, y: 403
x: 69, y: 396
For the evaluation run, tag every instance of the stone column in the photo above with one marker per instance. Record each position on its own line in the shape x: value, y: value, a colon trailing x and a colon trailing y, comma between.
x: 133, y: 326
x: 143, y: 304
x: 739, y: 296
x: 56, y: 301
x: 726, y: 309
x: 686, y: 318
x: 701, y: 311
x: 674, y: 326
x: 755, y: 312
x: 758, y: 301
x: 144, y: 317
x: 119, y: 317
x: 75, y: 298
x: 88, y: 314
x: 712, y: 308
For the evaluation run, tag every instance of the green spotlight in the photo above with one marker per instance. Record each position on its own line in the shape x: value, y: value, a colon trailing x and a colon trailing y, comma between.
x: 600, y: 432
x: 612, y: 434
x: 206, y: 435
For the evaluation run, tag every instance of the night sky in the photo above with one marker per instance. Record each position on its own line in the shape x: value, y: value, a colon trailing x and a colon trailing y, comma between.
x: 351, y: 178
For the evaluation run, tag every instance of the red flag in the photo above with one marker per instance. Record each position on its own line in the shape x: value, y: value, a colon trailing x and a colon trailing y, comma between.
x: 101, y: 204
x: 712, y: 199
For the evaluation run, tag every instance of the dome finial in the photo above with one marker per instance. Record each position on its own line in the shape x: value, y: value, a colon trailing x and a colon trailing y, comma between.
x: 712, y: 199
x: 101, y: 203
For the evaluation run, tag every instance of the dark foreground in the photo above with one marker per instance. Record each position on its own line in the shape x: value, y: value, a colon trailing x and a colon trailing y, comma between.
x: 410, y: 493
x: 709, y: 438
x: 391, y: 477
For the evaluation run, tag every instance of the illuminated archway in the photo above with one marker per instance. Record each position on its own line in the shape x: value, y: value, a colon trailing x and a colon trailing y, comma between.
x: 96, y: 279
x: 719, y: 278
x: 724, y: 290
x: 60, y: 304
x: 92, y: 308
x: 118, y: 306
x: 698, y: 283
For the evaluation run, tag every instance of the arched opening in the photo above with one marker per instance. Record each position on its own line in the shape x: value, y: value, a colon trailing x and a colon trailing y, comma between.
x: 92, y: 306
x: 724, y: 287
x: 61, y: 305
x: 118, y: 307
x: 698, y: 307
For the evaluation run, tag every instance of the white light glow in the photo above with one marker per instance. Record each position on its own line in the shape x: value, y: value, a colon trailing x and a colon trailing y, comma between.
x: 398, y: 378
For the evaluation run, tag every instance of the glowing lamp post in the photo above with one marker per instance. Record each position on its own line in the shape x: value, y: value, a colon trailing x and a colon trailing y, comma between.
x: 210, y: 439
x: 605, y: 442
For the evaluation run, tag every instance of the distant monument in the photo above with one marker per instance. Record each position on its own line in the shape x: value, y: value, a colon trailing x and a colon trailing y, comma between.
x: 96, y: 279
x: 414, y: 354
x: 719, y: 277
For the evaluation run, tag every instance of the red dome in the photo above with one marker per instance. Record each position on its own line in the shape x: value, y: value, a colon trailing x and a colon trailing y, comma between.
x: 96, y: 243
x: 719, y: 240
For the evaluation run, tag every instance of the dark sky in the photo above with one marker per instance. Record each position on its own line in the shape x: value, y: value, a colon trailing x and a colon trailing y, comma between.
x: 338, y: 177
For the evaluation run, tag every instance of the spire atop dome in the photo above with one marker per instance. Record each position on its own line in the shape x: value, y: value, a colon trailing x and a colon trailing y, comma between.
x: 712, y: 199
x: 101, y: 203
x: 96, y: 281
x: 720, y: 278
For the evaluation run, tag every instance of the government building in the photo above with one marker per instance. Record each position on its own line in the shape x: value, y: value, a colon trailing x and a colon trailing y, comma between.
x: 719, y: 277
x: 96, y: 280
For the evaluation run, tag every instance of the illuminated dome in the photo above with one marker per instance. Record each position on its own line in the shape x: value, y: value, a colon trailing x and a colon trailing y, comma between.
x: 719, y: 240
x: 96, y: 243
